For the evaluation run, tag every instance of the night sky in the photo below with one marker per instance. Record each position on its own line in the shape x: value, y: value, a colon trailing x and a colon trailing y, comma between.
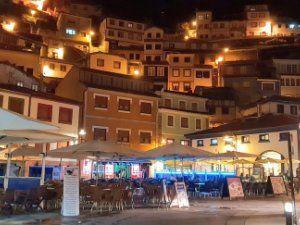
x: 168, y: 13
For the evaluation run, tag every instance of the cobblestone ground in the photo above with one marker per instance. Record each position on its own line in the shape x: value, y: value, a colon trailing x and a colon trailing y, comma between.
x: 212, y: 212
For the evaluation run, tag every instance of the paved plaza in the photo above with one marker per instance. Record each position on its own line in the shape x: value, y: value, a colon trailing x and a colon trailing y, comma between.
x: 211, y: 212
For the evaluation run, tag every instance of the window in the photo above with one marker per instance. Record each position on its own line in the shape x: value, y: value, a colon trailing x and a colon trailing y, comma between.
x: 261, y: 15
x: 200, y: 143
x: 139, y: 26
x: 175, y: 86
x: 283, y: 136
x: 160, y: 71
x: 157, y: 58
x: 186, y: 86
x: 287, y: 82
x: 123, y: 136
x: 16, y: 104
x: 117, y: 64
x: 187, y: 59
x: 101, y: 102
x: 213, y: 142
x: 198, y: 124
x: 293, y: 82
x: 175, y: 73
x: 137, y: 56
x: 146, y: 108
x: 63, y: 68
x: 264, y: 138
x: 280, y: 108
x: 65, y: 115
x: 194, y: 106
x: 253, y: 24
x: 100, y: 62
x: 20, y: 84
x: 111, y: 33
x: 170, y: 141
x: 130, y: 25
x: 148, y: 58
x: 1, y: 101
x: 268, y: 86
x: 120, y: 34
x: 182, y: 105
x: 124, y: 105
x: 112, y: 21
x: 157, y: 46
x: 149, y: 35
x: 70, y: 31
x: 246, y: 139
x: 176, y: 59
x: 148, y: 46
x: 158, y: 35
x: 52, y: 66
x: 293, y: 110
x: 184, y: 122
x: 186, y: 73
x: 100, y: 133
x: 253, y: 15
x: 44, y: 112
x: 225, y: 110
x: 121, y: 23
x: 131, y: 56
x: 185, y: 142
x: 145, y: 137
x: 168, y: 103
x: 170, y: 121
x: 130, y: 36
x: 151, y: 71
x: 202, y: 74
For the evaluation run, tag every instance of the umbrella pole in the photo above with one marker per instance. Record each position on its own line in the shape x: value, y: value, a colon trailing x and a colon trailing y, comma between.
x: 42, y: 181
x: 6, y: 178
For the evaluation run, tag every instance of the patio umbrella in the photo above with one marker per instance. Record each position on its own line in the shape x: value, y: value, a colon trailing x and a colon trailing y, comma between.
x: 105, y: 149
x: 14, y: 121
x: 235, y: 155
x: 240, y: 162
x: 176, y: 151
x: 267, y: 160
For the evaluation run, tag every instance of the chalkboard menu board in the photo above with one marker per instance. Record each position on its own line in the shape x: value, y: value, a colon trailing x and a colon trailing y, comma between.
x: 235, y: 187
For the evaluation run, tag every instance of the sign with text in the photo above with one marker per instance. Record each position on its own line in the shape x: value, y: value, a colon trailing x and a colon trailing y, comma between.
x: 109, y: 171
x: 235, y: 187
x: 70, y: 205
x: 278, y: 185
x: 181, y: 199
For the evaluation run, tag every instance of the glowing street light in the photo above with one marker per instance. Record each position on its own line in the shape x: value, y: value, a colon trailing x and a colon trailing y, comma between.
x: 9, y: 26
x: 47, y: 72
x: 136, y: 72
x: 186, y: 37
x: 226, y: 50
x: 92, y: 33
x: 82, y: 132
x: 163, y: 142
x: 219, y: 59
x: 33, y: 12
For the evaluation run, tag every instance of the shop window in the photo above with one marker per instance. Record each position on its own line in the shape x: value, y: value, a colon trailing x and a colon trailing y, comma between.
x: 264, y: 138
x: 44, y: 112
x: 170, y: 121
x: 124, y: 105
x: 184, y: 122
x: 123, y: 136
x: 145, y: 137
x: 101, y: 102
x: 65, y: 115
x: 16, y: 105
x: 146, y: 108
x: 99, y: 133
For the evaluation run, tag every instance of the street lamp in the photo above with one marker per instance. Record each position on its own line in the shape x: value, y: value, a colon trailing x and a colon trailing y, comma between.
x: 82, y: 134
x: 226, y: 50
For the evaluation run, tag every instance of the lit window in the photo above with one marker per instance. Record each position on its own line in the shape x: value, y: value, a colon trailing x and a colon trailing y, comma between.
x: 184, y: 142
x: 20, y: 84
x: 170, y: 141
x: 70, y: 31
x: 264, y: 138
x: 213, y: 142
x: 200, y: 143
x: 246, y: 139
x: 130, y: 25
x: 35, y: 87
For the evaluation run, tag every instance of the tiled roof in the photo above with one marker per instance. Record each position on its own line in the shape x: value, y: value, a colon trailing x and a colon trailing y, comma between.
x: 275, y: 98
x: 268, y: 122
x: 37, y: 94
